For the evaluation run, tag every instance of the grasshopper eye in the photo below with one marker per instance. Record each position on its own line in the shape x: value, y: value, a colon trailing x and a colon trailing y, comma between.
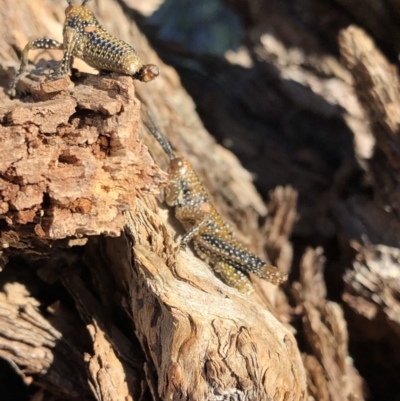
x: 148, y: 73
x: 176, y: 164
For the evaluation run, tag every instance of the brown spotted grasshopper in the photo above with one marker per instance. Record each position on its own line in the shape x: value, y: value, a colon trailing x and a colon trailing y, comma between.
x: 213, y: 239
x: 83, y: 37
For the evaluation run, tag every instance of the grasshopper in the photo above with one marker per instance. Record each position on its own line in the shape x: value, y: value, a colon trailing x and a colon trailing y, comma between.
x: 83, y: 37
x: 212, y: 238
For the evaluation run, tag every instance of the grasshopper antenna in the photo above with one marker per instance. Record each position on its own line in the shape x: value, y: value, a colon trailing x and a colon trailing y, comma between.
x: 156, y: 132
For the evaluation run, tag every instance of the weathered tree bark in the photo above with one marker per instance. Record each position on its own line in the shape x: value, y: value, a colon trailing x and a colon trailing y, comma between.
x: 326, y: 334
x: 287, y: 106
x: 97, y: 301
x: 373, y: 283
x: 199, y: 339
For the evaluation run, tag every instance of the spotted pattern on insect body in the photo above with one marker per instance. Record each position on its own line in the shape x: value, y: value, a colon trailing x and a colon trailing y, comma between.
x: 83, y: 37
x: 212, y: 238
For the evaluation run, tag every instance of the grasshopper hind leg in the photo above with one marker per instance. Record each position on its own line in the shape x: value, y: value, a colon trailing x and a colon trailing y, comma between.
x: 44, y: 44
x: 233, y: 277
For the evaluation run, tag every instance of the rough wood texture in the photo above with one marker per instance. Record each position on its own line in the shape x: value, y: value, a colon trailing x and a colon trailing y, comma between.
x: 377, y: 83
x: 199, y: 339
x: 296, y: 114
x: 73, y: 163
x: 46, y: 350
x: 326, y: 334
x: 245, y: 352
x: 133, y: 316
x: 373, y: 285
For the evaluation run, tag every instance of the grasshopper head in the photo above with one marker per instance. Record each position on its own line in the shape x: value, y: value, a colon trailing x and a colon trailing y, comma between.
x: 147, y: 73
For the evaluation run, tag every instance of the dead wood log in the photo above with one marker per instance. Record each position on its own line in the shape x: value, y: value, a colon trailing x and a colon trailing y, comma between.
x: 44, y: 350
x: 200, y: 339
x: 304, y: 94
x: 326, y: 334
x: 210, y: 340
x: 373, y: 284
x: 72, y: 164
x: 377, y: 85
x: 256, y: 337
x: 379, y: 17
x: 298, y: 129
